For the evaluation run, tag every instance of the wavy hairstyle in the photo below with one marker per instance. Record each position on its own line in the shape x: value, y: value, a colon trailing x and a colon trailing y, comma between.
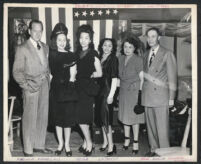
x: 132, y: 41
x: 114, y: 46
x: 59, y: 28
x: 86, y: 29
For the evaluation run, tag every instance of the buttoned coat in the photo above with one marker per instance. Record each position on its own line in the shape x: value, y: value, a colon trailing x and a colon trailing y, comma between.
x: 160, y: 79
x: 129, y: 88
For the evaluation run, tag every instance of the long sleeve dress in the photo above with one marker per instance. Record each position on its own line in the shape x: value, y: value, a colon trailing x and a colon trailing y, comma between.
x: 62, y: 113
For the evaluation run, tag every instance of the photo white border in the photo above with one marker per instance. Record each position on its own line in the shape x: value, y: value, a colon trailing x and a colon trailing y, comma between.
x: 192, y: 158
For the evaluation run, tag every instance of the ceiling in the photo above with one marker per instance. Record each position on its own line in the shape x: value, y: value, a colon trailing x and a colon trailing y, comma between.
x: 154, y: 14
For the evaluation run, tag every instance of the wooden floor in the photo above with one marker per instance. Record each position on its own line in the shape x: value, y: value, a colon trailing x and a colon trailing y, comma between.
x: 76, y: 141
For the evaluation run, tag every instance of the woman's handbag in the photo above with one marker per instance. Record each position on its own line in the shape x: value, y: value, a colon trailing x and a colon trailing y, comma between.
x: 139, y: 109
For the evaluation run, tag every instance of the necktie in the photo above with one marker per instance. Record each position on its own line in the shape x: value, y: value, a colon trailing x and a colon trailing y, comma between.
x: 38, y: 46
x: 152, y: 58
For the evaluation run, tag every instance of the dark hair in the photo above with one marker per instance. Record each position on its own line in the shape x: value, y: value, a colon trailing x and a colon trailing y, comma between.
x: 154, y: 29
x: 59, y: 28
x: 35, y: 21
x: 132, y: 41
x: 86, y: 29
x: 114, y: 46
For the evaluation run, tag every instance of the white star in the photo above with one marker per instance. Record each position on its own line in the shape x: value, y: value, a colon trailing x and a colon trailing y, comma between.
x: 76, y: 14
x: 92, y: 13
x: 115, y: 11
x: 100, y: 12
x: 84, y: 13
x: 108, y: 12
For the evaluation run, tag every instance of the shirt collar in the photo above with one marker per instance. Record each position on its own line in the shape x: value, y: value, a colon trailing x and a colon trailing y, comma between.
x: 155, y: 50
x: 34, y: 42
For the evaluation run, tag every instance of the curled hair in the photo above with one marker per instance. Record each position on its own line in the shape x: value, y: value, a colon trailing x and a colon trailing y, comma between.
x: 154, y: 29
x: 132, y: 41
x: 35, y: 21
x: 53, y: 44
x: 114, y: 46
x: 86, y: 29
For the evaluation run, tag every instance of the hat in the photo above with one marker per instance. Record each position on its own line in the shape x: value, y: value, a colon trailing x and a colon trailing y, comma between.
x: 59, y: 28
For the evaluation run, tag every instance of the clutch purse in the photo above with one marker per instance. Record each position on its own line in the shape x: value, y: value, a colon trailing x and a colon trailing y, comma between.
x: 139, y: 109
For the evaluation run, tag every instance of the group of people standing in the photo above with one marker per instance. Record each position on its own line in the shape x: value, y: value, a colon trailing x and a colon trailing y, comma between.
x: 75, y: 79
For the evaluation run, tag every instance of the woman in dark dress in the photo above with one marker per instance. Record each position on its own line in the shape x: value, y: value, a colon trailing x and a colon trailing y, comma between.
x: 88, y: 67
x: 108, y: 83
x: 63, y: 69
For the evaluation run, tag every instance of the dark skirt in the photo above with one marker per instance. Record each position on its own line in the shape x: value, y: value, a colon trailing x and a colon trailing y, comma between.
x: 84, y: 108
x: 61, y: 114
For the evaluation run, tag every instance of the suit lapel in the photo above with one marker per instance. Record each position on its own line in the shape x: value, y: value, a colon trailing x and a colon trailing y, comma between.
x: 156, y: 61
x: 157, y: 57
x: 33, y: 51
x: 146, y: 58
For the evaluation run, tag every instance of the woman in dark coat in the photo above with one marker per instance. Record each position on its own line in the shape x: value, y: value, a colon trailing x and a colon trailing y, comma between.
x: 63, y: 69
x: 88, y: 67
x: 108, y: 83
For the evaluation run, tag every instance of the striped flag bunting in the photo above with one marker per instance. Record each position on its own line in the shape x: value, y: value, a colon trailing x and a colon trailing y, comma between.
x: 104, y: 22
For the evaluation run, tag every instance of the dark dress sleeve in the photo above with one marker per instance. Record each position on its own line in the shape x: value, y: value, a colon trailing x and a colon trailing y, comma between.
x: 114, y: 67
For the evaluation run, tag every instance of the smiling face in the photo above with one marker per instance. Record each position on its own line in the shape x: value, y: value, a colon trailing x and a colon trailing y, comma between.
x: 85, y: 40
x: 36, y: 31
x: 107, y: 47
x: 153, y: 38
x: 61, y: 42
x: 128, y: 49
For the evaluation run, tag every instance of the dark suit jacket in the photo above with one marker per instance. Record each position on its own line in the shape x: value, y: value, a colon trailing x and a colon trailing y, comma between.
x: 28, y: 70
x: 160, y: 79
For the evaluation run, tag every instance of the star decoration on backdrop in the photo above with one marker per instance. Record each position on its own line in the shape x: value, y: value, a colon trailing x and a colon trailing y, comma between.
x: 84, y: 13
x: 95, y: 13
x: 100, y: 12
x: 92, y: 13
x: 76, y: 14
x: 115, y: 11
x: 107, y: 12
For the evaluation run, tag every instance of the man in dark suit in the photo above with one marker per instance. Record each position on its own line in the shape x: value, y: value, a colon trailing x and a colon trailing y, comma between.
x: 159, y: 89
x: 31, y: 71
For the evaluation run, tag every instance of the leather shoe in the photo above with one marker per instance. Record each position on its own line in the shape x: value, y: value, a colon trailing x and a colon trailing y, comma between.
x: 44, y: 151
x: 150, y: 154
x: 28, y: 155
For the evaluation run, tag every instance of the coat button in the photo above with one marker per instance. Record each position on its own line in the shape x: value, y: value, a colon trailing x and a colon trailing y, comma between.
x: 155, y: 89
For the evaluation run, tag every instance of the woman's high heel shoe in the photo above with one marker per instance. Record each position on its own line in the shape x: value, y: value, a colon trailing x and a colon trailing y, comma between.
x: 58, y: 152
x: 103, y: 148
x: 68, y: 153
x: 81, y: 149
x: 114, y: 151
x: 125, y: 147
x: 88, y: 153
x: 135, y: 151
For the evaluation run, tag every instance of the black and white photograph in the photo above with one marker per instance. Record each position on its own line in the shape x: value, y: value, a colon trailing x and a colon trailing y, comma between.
x: 100, y: 82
